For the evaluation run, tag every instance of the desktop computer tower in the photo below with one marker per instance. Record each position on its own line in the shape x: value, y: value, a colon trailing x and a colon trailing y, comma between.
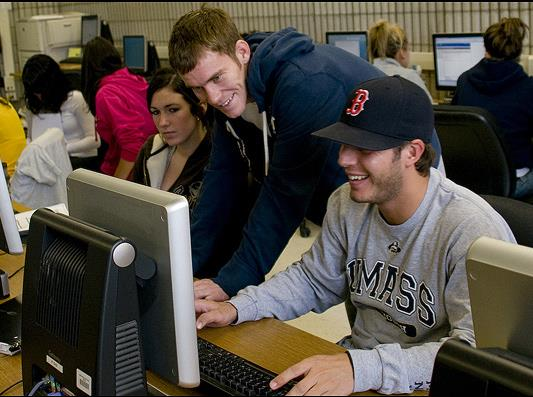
x: 80, y: 315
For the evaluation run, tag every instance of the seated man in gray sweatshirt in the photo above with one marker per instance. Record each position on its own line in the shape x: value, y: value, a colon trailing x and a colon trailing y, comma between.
x: 394, y: 242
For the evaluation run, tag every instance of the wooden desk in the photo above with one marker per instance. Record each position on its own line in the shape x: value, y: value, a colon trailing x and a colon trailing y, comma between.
x: 67, y: 67
x: 269, y: 343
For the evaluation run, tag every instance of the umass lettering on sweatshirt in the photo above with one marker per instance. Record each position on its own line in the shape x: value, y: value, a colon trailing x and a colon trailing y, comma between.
x: 407, y: 282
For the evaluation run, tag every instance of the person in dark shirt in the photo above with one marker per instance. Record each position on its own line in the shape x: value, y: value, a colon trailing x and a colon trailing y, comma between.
x: 175, y: 158
x: 266, y: 173
x: 499, y: 84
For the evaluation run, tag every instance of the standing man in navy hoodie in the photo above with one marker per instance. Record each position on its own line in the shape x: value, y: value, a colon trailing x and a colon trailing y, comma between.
x: 266, y: 172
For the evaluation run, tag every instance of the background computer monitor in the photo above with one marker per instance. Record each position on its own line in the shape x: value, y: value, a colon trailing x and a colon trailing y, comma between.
x: 157, y: 222
x: 135, y: 52
x: 90, y: 28
x: 455, y: 53
x: 10, y: 240
x: 353, y: 42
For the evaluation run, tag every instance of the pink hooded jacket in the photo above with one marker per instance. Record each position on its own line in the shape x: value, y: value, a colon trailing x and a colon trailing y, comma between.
x: 122, y: 117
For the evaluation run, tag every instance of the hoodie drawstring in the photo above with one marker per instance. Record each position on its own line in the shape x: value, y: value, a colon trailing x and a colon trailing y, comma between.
x: 265, y: 142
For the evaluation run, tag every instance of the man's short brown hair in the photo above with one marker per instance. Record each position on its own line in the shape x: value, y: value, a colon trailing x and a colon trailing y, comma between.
x: 204, y: 29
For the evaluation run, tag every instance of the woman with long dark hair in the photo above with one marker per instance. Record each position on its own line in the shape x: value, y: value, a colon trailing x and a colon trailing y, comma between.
x: 117, y: 99
x: 175, y: 158
x: 53, y: 102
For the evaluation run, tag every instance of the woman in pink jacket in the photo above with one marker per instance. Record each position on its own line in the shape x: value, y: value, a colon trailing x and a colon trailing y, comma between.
x: 117, y: 99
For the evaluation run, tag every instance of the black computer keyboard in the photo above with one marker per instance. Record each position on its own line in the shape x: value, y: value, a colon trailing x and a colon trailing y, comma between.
x: 233, y: 375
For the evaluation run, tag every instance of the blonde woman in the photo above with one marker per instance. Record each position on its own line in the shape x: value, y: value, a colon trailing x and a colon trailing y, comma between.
x: 389, y: 52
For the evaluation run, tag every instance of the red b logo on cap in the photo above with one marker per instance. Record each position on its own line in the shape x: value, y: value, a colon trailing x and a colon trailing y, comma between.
x: 358, y: 102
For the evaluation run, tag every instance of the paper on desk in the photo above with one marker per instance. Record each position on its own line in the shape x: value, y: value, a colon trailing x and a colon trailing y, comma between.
x: 23, y: 218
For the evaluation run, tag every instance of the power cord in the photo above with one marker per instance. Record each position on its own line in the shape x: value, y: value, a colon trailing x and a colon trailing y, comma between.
x: 37, y: 386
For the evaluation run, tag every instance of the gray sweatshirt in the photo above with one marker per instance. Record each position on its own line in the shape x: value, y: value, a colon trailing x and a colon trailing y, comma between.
x: 407, y: 282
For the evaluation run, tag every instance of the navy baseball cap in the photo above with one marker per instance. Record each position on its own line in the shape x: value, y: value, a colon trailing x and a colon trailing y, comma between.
x: 383, y: 113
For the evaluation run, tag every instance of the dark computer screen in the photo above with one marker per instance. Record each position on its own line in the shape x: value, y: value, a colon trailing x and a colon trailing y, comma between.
x: 90, y: 27
x: 353, y: 42
x: 135, y: 52
x: 455, y: 53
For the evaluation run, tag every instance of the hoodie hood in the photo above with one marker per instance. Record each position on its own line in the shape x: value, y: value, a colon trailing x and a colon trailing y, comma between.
x: 269, y: 51
x: 492, y: 77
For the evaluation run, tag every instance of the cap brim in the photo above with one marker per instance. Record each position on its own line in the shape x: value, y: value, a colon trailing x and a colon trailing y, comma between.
x: 363, y: 139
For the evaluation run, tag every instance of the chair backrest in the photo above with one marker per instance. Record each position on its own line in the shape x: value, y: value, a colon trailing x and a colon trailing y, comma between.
x: 517, y: 214
x: 41, y: 172
x: 473, y: 150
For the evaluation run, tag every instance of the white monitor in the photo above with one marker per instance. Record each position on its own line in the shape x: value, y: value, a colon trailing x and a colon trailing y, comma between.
x: 500, y: 283
x: 9, y: 237
x: 353, y: 42
x: 158, y: 224
x: 455, y: 53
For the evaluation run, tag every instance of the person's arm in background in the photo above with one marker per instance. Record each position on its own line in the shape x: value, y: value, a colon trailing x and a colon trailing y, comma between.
x: 123, y: 169
x: 85, y: 119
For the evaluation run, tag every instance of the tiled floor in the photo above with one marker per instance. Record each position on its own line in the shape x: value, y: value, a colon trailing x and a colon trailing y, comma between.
x: 331, y: 325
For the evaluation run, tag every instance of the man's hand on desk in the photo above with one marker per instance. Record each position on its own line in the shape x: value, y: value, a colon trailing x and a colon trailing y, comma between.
x: 214, y: 314
x: 323, y: 375
x: 209, y: 290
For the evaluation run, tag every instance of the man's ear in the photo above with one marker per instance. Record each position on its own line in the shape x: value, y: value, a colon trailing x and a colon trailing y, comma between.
x: 242, y: 51
x: 414, y: 150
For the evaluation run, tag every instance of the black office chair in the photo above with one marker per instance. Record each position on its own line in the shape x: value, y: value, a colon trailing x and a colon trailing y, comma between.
x: 105, y: 31
x: 153, y: 62
x: 473, y: 150
x: 517, y: 214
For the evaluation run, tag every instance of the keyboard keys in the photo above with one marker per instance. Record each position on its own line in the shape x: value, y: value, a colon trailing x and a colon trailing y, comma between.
x: 234, y: 375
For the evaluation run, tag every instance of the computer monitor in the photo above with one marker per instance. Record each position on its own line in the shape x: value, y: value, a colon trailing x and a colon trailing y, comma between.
x: 10, y: 240
x: 135, y: 52
x: 500, y: 283
x: 90, y: 28
x: 80, y: 317
x: 353, y: 42
x: 455, y: 53
x: 157, y: 222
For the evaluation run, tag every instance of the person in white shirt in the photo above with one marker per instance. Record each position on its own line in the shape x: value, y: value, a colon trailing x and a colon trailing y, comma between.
x: 389, y: 52
x: 53, y: 103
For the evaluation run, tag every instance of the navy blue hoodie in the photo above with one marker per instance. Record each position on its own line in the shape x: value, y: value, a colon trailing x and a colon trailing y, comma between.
x: 506, y: 91
x: 302, y: 87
